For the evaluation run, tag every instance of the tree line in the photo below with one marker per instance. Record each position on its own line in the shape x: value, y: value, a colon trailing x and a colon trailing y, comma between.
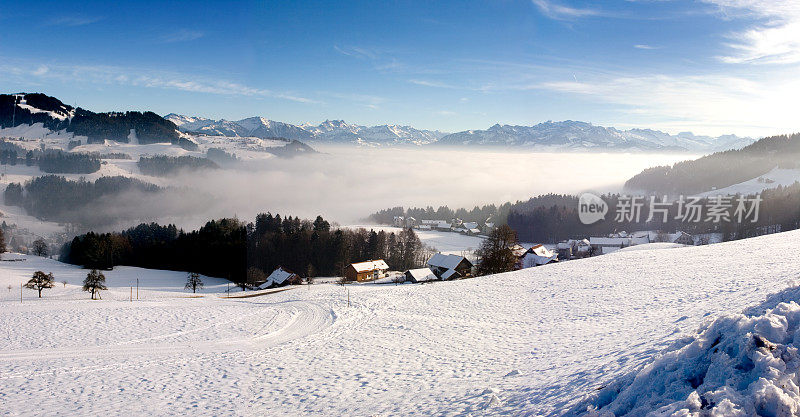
x: 55, y: 198
x: 217, y: 249
x: 52, y: 161
x: 228, y: 248
x: 537, y: 222
x: 491, y: 213
x: 315, y: 249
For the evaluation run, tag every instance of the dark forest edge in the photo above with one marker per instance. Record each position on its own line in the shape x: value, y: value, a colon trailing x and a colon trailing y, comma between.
x: 247, y: 253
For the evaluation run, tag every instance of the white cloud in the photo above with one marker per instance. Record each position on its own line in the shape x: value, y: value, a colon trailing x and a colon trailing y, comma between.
x: 774, y: 40
x: 644, y: 46
x: 707, y: 104
x: 183, y: 35
x: 142, y: 78
x: 558, y: 11
x: 73, y: 20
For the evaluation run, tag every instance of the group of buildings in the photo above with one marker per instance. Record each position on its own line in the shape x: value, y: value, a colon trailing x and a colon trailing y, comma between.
x: 453, y: 225
x: 448, y: 266
x: 573, y: 248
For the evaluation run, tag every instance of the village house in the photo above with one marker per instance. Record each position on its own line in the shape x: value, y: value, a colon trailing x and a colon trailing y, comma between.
x: 279, y: 277
x: 573, y: 248
x: 538, y: 255
x: 420, y: 275
x: 615, y: 242
x: 436, y: 224
x: 366, y: 271
x: 450, y: 266
x: 683, y: 238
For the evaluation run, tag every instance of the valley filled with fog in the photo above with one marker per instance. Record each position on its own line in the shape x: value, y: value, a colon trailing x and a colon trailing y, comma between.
x: 345, y: 184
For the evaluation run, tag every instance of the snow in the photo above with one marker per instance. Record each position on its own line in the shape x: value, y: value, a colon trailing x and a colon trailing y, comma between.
x: 652, y: 246
x: 776, y: 177
x: 444, y: 242
x: 277, y: 277
x: 445, y: 261
x: 737, y: 365
x: 422, y: 275
x: 539, y: 341
x: 371, y: 266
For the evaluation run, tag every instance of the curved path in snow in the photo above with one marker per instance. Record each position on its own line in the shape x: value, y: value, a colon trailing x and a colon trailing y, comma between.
x: 287, y: 321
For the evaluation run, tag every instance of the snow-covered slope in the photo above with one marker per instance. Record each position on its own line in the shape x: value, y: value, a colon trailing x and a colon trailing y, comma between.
x: 773, y: 179
x: 540, y: 341
x: 575, y: 135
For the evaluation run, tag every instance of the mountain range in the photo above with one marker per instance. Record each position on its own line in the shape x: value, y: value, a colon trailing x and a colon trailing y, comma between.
x: 564, y: 135
x: 329, y: 131
x: 151, y: 128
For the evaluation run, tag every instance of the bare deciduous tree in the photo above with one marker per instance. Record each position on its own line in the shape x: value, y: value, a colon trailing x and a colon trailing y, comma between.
x: 40, y: 281
x: 94, y: 283
x: 193, y: 282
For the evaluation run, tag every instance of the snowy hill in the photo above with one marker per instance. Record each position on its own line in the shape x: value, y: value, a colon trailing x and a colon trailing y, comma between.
x: 542, y: 341
x: 573, y: 135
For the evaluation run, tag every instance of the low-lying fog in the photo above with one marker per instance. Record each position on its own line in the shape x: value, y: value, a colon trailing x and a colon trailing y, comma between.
x: 346, y: 184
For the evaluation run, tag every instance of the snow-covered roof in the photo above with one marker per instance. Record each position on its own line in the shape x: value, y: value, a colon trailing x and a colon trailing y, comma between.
x: 422, y: 274
x: 370, y: 266
x: 450, y: 273
x: 616, y: 241
x: 518, y: 250
x: 445, y: 261
x: 540, y: 250
x: 471, y: 225
x: 279, y: 276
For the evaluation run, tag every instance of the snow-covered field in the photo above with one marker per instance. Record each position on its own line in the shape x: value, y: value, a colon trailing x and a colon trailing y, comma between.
x: 532, y: 342
x: 773, y: 179
x: 445, y: 242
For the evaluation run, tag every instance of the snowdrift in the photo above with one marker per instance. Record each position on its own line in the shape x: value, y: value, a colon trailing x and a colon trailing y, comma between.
x: 737, y: 365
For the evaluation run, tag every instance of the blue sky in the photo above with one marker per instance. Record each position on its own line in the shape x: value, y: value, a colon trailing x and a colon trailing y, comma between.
x: 710, y: 66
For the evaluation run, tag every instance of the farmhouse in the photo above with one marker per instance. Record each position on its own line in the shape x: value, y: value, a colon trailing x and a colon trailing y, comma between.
x: 420, y: 275
x: 450, y: 266
x: 538, y: 255
x: 366, y: 271
x: 280, y: 276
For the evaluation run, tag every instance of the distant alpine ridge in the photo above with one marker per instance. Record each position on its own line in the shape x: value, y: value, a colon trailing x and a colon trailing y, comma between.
x: 329, y: 131
x: 565, y: 135
x: 574, y: 135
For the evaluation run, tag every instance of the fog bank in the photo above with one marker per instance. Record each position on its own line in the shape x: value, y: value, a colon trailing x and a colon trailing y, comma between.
x: 346, y: 184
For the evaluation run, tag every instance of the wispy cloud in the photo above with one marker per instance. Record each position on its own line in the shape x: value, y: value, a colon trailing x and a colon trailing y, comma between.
x: 559, y: 11
x: 137, y: 77
x: 708, y: 103
x: 774, y: 40
x: 183, y: 35
x: 73, y: 20
x: 355, y: 51
x: 645, y: 46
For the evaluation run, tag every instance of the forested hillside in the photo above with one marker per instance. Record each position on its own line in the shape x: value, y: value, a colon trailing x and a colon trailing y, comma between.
x: 55, y: 115
x: 55, y: 198
x: 721, y: 169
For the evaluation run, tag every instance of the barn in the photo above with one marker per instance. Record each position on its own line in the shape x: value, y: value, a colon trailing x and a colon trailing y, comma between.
x: 420, y: 275
x: 450, y: 266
